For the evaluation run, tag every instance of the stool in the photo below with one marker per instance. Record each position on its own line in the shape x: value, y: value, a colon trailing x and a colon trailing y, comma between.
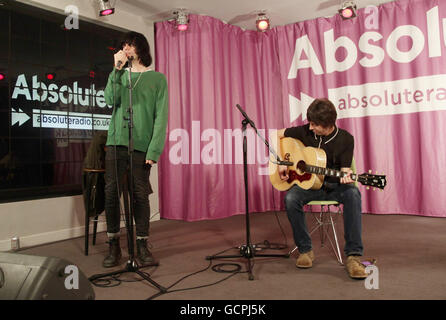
x: 93, y: 191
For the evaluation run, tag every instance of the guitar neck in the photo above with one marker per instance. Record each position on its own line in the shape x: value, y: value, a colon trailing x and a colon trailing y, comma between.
x: 329, y: 172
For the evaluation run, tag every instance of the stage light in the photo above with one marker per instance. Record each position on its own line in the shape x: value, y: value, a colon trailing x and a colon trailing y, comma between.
x: 2, y: 76
x: 347, y: 10
x: 91, y: 74
x: 262, y: 22
x: 105, y: 8
x: 182, y: 20
x: 50, y: 76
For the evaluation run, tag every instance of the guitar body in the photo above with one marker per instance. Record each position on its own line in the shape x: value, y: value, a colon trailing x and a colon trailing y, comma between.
x: 293, y: 150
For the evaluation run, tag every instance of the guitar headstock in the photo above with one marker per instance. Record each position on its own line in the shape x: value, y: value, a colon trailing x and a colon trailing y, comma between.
x: 373, y: 180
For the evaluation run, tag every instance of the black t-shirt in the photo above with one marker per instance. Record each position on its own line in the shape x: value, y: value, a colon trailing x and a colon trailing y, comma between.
x: 338, y: 146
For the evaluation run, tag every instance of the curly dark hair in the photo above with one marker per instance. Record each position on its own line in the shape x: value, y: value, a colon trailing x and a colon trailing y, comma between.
x: 141, y: 45
x: 322, y: 112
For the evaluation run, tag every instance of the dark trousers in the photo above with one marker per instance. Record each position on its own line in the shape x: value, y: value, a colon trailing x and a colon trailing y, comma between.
x: 141, y: 189
x: 347, y: 194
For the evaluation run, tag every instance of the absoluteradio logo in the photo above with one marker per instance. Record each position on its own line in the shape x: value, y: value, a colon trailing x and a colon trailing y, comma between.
x: 65, y: 94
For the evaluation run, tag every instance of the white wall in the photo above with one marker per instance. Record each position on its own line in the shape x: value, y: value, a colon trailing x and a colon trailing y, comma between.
x: 41, y: 221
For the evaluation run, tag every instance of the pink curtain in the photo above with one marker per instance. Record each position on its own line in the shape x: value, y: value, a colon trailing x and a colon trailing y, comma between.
x: 384, y: 71
x: 210, y: 68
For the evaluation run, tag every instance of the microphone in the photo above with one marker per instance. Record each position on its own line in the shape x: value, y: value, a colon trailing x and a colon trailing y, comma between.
x: 130, y: 61
x: 246, y: 116
x: 120, y: 62
x: 285, y: 163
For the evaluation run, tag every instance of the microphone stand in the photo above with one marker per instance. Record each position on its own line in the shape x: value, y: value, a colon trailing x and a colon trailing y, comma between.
x: 132, y: 265
x: 248, y: 250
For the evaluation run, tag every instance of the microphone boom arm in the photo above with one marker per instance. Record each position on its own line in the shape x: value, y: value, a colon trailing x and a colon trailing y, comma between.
x: 278, y: 160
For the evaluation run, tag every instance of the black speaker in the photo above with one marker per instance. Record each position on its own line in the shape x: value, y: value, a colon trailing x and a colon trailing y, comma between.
x: 27, y: 277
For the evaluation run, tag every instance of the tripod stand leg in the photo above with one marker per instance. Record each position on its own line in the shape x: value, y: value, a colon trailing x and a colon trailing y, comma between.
x: 160, y: 287
x: 250, y: 275
x: 103, y: 275
x: 132, y: 266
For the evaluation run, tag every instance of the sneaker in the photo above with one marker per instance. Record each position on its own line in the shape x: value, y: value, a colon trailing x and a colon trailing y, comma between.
x: 355, y: 268
x: 305, y: 260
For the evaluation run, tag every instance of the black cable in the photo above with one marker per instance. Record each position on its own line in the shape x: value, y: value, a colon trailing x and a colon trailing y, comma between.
x: 266, y: 245
x: 217, y: 267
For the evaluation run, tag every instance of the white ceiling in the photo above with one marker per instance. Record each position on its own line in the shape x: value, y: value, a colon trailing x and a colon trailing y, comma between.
x: 241, y: 13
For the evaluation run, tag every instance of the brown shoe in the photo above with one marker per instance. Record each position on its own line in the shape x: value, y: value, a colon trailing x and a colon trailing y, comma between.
x: 355, y: 268
x: 305, y: 260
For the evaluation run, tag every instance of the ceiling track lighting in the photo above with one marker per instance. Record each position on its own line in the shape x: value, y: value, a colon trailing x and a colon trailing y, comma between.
x: 347, y: 10
x: 105, y: 8
x: 262, y: 22
x: 182, y: 19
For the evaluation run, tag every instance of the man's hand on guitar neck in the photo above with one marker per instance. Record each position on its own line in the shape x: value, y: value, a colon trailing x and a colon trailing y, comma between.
x: 283, y: 172
x: 347, y: 178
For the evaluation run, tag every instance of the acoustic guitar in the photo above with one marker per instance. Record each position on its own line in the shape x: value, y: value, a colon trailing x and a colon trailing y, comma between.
x: 309, y: 168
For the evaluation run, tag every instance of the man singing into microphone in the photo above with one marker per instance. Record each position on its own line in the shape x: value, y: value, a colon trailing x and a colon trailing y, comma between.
x: 150, y: 110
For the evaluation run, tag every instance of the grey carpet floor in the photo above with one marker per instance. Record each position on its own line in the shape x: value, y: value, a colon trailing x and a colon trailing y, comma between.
x: 410, y: 253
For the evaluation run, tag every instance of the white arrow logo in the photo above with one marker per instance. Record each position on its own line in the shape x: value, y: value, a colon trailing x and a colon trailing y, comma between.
x: 299, y: 107
x: 19, y: 117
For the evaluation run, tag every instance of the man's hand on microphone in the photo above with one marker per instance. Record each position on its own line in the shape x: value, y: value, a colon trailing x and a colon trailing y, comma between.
x: 120, y: 59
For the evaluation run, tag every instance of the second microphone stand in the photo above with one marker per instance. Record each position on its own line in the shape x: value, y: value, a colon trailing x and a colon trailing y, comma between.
x: 132, y: 265
x: 248, y: 250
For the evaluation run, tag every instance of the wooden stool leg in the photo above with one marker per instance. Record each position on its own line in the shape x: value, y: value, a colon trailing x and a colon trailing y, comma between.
x: 87, y: 227
x: 95, y: 228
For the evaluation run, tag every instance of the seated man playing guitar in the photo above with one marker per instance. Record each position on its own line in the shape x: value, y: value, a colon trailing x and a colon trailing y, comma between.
x: 322, y: 132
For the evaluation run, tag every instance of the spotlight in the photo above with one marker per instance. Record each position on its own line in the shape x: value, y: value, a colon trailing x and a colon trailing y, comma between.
x: 50, y: 76
x: 347, y: 10
x: 182, y: 20
x: 262, y: 22
x: 105, y: 8
x: 2, y: 76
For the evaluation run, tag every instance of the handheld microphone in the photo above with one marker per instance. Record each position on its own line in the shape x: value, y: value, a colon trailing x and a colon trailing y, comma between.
x: 120, y: 62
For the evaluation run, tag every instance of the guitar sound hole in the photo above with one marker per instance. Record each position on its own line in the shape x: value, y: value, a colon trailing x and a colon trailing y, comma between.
x: 293, y: 175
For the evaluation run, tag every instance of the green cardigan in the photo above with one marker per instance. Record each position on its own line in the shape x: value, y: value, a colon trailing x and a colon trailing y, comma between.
x: 150, y: 111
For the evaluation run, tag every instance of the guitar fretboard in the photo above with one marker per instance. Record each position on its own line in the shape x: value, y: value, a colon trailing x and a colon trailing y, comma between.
x: 328, y: 172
